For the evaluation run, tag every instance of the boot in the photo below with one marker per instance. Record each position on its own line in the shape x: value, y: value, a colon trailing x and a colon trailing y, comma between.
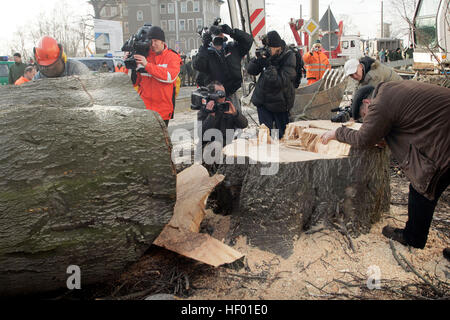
x: 394, y: 234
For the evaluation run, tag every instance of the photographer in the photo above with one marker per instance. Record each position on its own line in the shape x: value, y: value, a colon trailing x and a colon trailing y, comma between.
x: 219, y: 60
x: 274, y: 93
x: 161, y: 67
x: 220, y: 114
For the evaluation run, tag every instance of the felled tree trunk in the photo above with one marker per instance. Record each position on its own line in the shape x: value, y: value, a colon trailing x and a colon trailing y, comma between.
x: 278, y: 195
x: 86, y: 179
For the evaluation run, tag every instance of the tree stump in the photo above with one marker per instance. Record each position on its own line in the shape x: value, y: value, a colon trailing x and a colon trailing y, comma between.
x: 86, y: 179
x: 310, y: 183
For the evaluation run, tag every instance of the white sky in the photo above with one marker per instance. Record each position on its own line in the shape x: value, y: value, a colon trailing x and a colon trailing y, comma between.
x: 364, y: 13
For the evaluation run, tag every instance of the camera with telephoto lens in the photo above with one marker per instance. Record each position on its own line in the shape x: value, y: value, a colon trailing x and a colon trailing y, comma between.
x: 201, y: 97
x: 263, y: 52
x: 343, y: 114
x: 214, y: 30
x: 140, y: 44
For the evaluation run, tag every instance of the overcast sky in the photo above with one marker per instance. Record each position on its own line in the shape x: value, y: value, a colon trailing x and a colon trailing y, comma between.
x: 364, y: 13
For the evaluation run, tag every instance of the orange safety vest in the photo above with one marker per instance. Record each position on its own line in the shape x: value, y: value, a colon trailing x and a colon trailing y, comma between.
x: 21, y: 80
x: 315, y: 66
x: 156, y: 86
x: 121, y: 69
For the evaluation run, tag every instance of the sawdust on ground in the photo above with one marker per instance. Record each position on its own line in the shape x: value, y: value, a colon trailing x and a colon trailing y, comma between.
x: 323, y: 265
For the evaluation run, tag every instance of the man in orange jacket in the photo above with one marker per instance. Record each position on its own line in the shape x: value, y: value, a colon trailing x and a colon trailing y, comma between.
x: 162, y: 67
x: 316, y: 63
x: 121, y: 68
x: 28, y: 75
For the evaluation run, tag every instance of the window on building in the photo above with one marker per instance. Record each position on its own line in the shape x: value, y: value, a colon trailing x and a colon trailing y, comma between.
x: 199, y: 22
x: 171, y: 25
x: 196, y: 6
x: 352, y: 44
x: 182, y: 25
x: 344, y: 44
x: 164, y: 25
x: 140, y: 15
x: 125, y: 11
x: 190, y: 25
x: 162, y: 8
x: 190, y: 6
x: 184, y: 7
x: 113, y: 11
x: 170, y: 8
x: 107, y: 11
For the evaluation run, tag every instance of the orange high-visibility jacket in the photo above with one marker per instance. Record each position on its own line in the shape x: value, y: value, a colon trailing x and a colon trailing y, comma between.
x: 121, y: 69
x: 156, y: 86
x: 315, y: 65
x: 21, y: 80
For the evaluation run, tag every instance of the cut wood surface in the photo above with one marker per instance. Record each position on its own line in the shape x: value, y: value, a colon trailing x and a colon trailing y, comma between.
x: 181, y: 234
x: 86, y: 179
x: 312, y: 183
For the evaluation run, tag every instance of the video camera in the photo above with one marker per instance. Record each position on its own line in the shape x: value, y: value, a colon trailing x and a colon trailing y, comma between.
x: 201, y: 97
x: 140, y: 44
x: 263, y: 52
x: 213, y: 30
x: 343, y: 114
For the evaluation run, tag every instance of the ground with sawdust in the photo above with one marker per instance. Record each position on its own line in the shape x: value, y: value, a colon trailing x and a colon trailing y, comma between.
x: 323, y: 265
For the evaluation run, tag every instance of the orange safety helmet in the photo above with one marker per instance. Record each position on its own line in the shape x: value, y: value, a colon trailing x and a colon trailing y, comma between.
x: 48, y: 51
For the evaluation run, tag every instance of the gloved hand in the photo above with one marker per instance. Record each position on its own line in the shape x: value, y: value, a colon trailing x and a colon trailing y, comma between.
x: 311, y: 53
x: 264, y: 62
x: 226, y: 29
x: 207, y: 38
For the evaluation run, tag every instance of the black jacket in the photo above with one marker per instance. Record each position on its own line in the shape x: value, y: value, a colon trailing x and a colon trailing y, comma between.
x: 275, y: 87
x: 225, y: 65
x: 222, y: 122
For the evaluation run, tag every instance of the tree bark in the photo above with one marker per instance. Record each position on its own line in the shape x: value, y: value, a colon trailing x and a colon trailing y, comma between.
x: 86, y: 179
x: 314, y: 184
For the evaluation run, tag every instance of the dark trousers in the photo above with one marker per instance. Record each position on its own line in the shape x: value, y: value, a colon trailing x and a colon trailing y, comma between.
x: 420, y: 213
x: 166, y: 122
x: 268, y: 118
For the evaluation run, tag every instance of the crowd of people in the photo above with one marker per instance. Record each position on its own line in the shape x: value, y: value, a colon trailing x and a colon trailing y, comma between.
x: 411, y: 117
x: 385, y: 55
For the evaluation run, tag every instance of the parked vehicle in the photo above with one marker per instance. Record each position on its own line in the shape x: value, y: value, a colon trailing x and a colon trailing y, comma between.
x: 94, y: 63
x: 4, y: 71
x: 431, y: 35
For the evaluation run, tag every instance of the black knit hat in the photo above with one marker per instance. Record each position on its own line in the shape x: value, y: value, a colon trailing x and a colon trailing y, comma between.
x: 156, y: 32
x: 363, y: 93
x: 274, y: 40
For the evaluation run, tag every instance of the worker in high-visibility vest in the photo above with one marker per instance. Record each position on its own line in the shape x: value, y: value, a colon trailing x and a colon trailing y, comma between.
x: 121, y: 68
x: 316, y: 63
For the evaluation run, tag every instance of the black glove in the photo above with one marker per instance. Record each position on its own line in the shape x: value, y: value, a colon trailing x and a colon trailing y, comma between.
x: 312, y: 54
x: 226, y: 29
x: 264, y: 62
x: 207, y: 38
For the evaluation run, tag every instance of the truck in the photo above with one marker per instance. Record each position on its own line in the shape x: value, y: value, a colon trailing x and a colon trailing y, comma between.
x: 431, y: 29
x: 4, y: 71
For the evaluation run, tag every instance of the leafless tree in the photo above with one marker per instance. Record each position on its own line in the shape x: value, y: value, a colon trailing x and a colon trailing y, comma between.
x: 73, y: 32
x: 401, y: 12
x: 98, y: 6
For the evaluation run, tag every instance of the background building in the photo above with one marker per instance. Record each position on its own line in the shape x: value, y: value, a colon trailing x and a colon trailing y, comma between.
x: 180, y: 19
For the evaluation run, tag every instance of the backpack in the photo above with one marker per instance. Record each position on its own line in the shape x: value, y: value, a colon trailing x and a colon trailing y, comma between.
x: 298, y: 66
